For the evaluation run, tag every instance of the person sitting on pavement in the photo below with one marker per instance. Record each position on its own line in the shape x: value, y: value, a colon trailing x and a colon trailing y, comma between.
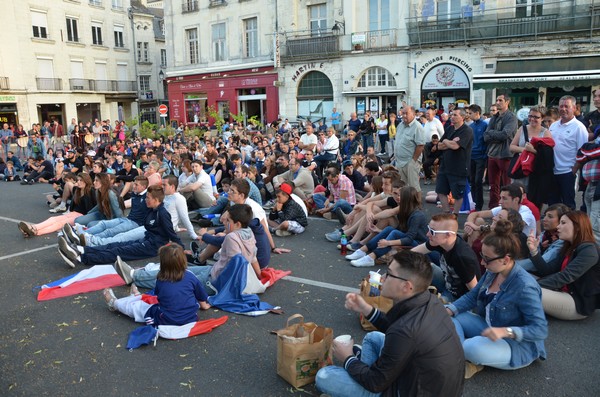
x: 197, y: 188
x: 341, y: 197
x: 570, y: 282
x: 107, y: 206
x: 415, y: 351
x: 287, y: 216
x: 501, y: 321
x: 302, y: 178
x: 178, y: 291
x: 42, y: 171
x: 458, y: 269
x: 83, y: 200
x: 159, y: 231
x: 411, y: 230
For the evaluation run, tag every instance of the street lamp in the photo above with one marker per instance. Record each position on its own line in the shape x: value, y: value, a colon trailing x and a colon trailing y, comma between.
x: 161, y: 76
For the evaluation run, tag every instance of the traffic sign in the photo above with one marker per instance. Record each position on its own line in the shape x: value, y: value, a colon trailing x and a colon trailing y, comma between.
x: 163, y: 109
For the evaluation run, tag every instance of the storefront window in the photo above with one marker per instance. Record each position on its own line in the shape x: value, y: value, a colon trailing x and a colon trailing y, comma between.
x: 315, y: 96
x: 195, y: 107
x: 376, y: 77
x: 223, y: 108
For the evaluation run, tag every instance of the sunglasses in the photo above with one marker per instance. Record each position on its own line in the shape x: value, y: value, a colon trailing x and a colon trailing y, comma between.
x: 487, y: 260
x: 434, y: 232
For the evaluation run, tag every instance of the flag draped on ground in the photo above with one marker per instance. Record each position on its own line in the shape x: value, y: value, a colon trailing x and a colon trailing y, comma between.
x: 95, y: 278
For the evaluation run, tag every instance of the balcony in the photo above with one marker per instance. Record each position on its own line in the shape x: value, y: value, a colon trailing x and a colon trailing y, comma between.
x: 113, y: 86
x: 506, y: 24
x: 81, y: 84
x: 147, y: 95
x: 48, y: 84
x: 376, y: 40
x: 189, y: 6
x: 307, y: 44
x: 95, y: 3
x: 4, y: 85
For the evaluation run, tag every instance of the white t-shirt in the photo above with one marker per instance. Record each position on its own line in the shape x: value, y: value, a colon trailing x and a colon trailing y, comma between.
x: 257, y: 210
x: 308, y: 140
x: 568, y: 138
x: 383, y: 125
x: 433, y: 127
x: 206, y: 183
x: 527, y: 216
x: 178, y: 209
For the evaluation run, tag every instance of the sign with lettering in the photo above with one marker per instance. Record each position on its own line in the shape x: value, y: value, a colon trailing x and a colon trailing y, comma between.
x: 306, y: 68
x: 7, y: 98
x: 444, y: 77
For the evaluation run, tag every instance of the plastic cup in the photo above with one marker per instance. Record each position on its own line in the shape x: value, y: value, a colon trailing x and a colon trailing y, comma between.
x: 344, y: 340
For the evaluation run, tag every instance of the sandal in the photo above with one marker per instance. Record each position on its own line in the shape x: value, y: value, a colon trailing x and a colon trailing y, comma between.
x: 27, y: 229
x: 110, y: 298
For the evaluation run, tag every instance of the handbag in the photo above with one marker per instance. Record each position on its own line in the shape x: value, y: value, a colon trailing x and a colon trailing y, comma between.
x: 302, y: 349
x: 514, y: 170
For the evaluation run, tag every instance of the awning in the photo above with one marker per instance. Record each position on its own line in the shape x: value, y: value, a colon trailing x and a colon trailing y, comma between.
x: 362, y: 92
x: 534, y: 80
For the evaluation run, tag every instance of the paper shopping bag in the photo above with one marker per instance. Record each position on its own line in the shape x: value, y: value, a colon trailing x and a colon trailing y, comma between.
x: 379, y: 302
x: 302, y: 349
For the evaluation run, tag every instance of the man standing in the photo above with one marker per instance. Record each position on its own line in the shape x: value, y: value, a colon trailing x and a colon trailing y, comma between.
x: 409, y: 144
x: 433, y: 125
x: 5, y: 136
x: 354, y: 123
x: 367, y: 129
x: 569, y: 134
x: 478, y: 155
x: 454, y: 167
x: 336, y: 120
x: 417, y: 351
x: 498, y: 135
x: 592, y: 119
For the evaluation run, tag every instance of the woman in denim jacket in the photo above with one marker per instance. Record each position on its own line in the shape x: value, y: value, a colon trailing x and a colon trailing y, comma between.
x: 108, y: 205
x: 508, y: 327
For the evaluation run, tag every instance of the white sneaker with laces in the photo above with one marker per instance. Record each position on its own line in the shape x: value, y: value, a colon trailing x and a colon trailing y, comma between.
x: 365, y: 261
x: 356, y: 255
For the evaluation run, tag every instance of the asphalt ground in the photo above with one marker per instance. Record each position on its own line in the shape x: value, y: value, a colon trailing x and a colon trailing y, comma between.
x: 75, y: 346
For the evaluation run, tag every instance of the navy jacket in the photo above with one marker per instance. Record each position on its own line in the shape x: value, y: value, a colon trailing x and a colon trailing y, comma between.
x: 159, y: 227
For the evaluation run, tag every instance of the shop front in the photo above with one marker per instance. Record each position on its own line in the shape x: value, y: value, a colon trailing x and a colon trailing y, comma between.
x: 8, y: 110
x: 249, y: 91
x: 445, y: 83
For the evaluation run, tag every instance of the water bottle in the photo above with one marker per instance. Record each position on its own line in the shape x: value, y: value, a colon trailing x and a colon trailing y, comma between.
x: 213, y: 182
x: 210, y: 216
x: 343, y: 244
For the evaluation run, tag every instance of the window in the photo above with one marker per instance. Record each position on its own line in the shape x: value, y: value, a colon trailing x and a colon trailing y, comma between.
x: 377, y: 77
x: 148, y: 114
x: 119, y: 42
x: 72, y: 32
x: 163, y: 58
x: 161, y: 25
x: 39, y: 24
x: 379, y: 15
x: 315, y: 95
x: 97, y: 3
x: 192, y: 44
x: 117, y: 5
x: 142, y: 51
x: 189, y: 5
x: 195, y: 107
x: 218, y: 38
x: 318, y: 19
x: 96, y: 33
x: 529, y: 8
x: 144, y: 83
x: 251, y: 37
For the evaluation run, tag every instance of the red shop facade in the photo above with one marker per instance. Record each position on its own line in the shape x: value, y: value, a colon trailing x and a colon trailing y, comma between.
x: 251, y: 91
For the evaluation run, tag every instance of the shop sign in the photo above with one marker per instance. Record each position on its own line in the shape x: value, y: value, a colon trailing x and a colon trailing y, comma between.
x: 249, y: 82
x: 444, y: 77
x: 359, y: 38
x: 441, y: 58
x: 305, y: 68
x: 190, y: 86
x: 7, y: 98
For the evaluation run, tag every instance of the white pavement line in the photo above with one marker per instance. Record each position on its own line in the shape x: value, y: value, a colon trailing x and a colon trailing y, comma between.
x: 10, y: 219
x: 319, y: 284
x: 27, y: 252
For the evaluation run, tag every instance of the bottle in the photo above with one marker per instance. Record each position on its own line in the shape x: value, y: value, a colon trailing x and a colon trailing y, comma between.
x: 210, y: 216
x: 343, y: 244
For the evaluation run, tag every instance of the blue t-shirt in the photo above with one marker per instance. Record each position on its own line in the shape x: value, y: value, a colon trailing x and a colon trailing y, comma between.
x: 178, y: 302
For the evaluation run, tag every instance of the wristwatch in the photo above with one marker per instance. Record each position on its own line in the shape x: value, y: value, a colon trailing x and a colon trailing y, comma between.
x: 510, y: 332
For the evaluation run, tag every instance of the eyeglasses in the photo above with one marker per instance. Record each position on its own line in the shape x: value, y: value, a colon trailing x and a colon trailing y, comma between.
x: 534, y: 117
x: 388, y: 274
x: 434, y: 232
x: 487, y: 260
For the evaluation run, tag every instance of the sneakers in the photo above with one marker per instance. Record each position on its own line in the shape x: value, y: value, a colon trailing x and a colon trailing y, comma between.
x: 70, y: 235
x: 354, y: 246
x: 355, y: 255
x: 62, y: 207
x: 365, y: 261
x: 195, y: 248
x: 269, y: 204
x: 357, y: 350
x: 471, y: 369
x: 68, y: 252
x: 124, y: 270
x: 24, y: 181
x: 282, y: 233
x: 82, y: 239
x: 334, y: 236
x: 110, y: 298
x: 341, y: 216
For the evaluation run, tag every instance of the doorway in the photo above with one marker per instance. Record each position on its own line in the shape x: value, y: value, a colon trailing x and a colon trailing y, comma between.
x: 51, y: 112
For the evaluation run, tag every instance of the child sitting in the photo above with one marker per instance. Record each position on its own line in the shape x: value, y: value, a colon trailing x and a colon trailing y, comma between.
x: 179, y: 293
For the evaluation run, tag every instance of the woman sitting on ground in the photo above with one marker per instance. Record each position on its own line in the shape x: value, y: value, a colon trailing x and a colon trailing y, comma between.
x: 571, y: 281
x: 507, y: 327
x: 82, y: 201
x: 179, y: 294
x: 411, y: 231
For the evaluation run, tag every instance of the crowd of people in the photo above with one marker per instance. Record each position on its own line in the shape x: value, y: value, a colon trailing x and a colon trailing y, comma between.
x: 498, y: 274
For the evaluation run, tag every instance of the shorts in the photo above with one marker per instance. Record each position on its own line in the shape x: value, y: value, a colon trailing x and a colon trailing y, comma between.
x: 446, y: 183
x: 295, y: 227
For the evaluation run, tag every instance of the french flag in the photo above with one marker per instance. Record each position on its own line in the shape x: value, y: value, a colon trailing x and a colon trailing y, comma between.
x: 95, y: 278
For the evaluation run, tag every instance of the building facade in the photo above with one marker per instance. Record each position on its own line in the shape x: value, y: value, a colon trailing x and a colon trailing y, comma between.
x: 222, y: 58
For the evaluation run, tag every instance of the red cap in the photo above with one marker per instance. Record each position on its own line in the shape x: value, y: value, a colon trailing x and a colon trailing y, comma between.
x: 286, y: 188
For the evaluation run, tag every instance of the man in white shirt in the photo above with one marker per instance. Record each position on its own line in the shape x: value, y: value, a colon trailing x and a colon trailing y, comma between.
x: 177, y: 206
x: 308, y: 141
x: 569, y: 134
x: 198, y: 186
x: 329, y: 152
x: 433, y: 125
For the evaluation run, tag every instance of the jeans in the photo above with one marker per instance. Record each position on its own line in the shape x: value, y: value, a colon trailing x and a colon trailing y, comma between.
x: 389, y: 233
x: 480, y: 349
x: 383, y: 139
x: 111, y: 227
x: 477, y: 170
x: 323, y: 159
x: 593, y: 208
x: 90, y: 217
x: 367, y: 139
x: 335, y: 381
x: 564, y: 191
x: 319, y: 200
x: 146, y: 276
x: 217, y: 208
x: 439, y: 282
x: 135, y: 234
x: 498, y: 176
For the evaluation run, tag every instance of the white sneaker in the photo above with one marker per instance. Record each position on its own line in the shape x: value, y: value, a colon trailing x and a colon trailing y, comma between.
x: 61, y: 208
x: 356, y: 255
x: 365, y: 261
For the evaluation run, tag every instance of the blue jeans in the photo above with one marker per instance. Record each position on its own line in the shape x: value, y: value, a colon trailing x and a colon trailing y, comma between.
x: 389, y: 233
x: 111, y: 227
x: 367, y: 139
x: 323, y: 160
x: 477, y: 170
x: 335, y: 381
x: 320, y: 199
x: 146, y: 276
x: 439, y: 282
x: 135, y: 234
x: 564, y: 191
x: 90, y: 217
x: 480, y: 349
